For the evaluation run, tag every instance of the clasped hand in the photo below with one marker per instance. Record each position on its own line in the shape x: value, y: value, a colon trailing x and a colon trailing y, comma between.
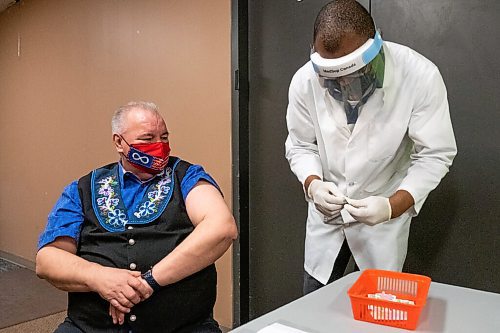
x: 121, y: 288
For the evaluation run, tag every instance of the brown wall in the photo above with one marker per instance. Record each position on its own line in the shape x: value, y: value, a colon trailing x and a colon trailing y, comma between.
x: 76, y: 62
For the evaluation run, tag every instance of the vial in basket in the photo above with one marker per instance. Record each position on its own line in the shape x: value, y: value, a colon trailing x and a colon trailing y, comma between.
x: 390, y: 297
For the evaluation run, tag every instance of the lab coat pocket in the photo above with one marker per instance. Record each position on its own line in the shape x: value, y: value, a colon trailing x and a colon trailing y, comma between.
x: 384, y: 140
x: 320, y: 218
x: 385, y: 184
x: 379, y: 150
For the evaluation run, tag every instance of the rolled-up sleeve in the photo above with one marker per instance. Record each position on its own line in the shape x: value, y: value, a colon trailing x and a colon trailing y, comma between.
x: 65, y: 219
x: 194, y: 174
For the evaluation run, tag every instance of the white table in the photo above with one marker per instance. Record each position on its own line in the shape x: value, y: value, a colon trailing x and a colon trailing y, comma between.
x: 328, y: 310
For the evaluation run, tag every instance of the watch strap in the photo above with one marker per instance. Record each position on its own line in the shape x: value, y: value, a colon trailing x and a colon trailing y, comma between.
x: 148, y: 276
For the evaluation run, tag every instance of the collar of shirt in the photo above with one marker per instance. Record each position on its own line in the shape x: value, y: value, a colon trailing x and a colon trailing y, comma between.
x: 133, y: 189
x: 122, y: 173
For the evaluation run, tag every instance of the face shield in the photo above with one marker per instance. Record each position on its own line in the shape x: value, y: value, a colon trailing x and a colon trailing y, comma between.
x: 353, y: 77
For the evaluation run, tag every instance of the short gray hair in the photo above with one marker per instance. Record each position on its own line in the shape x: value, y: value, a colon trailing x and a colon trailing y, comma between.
x: 117, y: 119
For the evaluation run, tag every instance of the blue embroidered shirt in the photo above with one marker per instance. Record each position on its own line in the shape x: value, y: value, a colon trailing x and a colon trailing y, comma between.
x: 66, y: 217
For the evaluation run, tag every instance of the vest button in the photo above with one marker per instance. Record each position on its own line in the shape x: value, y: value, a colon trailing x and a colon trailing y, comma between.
x: 133, y: 318
x: 133, y: 266
x: 131, y: 241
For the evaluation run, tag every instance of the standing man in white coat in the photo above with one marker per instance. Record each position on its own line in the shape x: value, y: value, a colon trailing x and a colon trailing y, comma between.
x: 369, y: 136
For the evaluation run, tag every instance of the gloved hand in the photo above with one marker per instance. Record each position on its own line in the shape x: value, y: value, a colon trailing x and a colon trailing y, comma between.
x: 372, y: 210
x: 326, y: 197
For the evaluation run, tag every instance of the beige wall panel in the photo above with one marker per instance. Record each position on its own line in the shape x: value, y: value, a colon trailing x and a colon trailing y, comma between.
x: 66, y: 65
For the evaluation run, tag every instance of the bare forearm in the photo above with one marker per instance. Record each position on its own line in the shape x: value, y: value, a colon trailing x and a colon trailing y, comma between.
x: 64, y: 270
x: 308, y: 181
x: 207, y: 243
x: 400, y: 202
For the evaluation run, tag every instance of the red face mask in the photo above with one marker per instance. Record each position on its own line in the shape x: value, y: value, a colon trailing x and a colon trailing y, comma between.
x: 149, y: 157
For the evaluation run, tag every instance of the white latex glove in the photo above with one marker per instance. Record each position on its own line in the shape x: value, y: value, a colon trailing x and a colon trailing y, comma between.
x: 372, y: 210
x: 326, y: 197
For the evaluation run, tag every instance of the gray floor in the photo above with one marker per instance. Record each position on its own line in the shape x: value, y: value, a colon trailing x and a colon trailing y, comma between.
x: 41, y: 325
x: 6, y: 266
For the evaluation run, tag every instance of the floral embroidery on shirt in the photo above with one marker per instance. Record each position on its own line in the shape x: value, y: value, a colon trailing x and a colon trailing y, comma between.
x: 107, y: 201
x: 156, y: 195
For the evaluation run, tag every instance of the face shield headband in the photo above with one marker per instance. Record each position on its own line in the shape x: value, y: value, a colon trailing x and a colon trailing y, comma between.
x: 353, y: 78
x: 350, y: 63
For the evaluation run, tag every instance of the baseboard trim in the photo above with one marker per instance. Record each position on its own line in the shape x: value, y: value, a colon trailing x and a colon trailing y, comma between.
x: 17, y: 260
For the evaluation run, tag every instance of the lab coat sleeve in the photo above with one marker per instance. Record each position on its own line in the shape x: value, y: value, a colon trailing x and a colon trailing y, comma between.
x: 431, y: 131
x: 301, y: 145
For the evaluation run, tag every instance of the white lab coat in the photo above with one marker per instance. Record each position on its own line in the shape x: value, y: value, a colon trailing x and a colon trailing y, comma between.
x: 403, y: 139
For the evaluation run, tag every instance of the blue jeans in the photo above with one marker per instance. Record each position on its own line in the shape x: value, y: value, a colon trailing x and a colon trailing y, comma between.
x: 209, y: 325
x: 339, y: 267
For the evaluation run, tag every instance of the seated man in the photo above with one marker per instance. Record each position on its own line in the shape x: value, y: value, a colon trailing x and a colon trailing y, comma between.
x: 134, y: 242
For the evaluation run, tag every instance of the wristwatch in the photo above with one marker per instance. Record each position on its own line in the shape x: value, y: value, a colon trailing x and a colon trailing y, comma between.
x: 148, y: 276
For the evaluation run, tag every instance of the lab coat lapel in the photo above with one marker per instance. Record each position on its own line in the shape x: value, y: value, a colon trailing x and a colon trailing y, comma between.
x: 335, y: 115
x: 375, y: 106
x: 369, y: 111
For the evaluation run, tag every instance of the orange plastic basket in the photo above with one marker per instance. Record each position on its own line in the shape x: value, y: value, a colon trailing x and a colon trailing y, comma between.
x: 406, y: 286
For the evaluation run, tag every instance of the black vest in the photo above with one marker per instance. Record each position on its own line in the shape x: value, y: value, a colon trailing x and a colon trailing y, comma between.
x: 173, y: 308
